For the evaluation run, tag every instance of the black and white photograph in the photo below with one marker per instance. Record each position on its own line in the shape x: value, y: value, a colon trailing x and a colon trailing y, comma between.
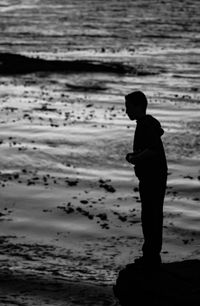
x: 99, y: 152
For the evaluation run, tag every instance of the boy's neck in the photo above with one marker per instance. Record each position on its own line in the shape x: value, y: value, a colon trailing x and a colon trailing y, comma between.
x: 140, y: 116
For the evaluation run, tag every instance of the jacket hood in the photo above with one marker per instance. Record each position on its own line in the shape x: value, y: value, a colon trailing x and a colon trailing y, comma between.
x: 150, y: 120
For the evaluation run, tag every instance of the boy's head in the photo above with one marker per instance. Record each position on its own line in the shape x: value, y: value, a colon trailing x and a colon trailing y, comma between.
x: 136, y: 105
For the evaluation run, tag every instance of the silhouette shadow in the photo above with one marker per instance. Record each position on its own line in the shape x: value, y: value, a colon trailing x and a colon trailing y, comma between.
x: 172, y: 284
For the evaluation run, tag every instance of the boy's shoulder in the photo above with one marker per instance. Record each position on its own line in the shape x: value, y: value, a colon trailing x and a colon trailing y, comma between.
x: 148, y: 122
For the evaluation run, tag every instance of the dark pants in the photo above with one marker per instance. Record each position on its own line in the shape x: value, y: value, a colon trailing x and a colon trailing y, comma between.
x: 152, y: 193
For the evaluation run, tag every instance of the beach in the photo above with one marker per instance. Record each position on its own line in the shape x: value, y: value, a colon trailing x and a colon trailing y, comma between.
x: 70, y: 207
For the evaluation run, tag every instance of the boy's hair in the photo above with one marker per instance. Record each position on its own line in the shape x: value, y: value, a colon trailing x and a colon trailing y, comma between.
x: 136, y: 98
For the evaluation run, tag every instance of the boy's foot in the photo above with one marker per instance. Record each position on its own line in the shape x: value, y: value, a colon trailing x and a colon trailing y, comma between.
x: 148, y: 261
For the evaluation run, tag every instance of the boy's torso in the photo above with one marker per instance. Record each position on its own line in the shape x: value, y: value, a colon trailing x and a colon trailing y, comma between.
x: 148, y: 136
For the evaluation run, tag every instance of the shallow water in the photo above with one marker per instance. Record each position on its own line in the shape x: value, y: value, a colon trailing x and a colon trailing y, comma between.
x: 52, y: 26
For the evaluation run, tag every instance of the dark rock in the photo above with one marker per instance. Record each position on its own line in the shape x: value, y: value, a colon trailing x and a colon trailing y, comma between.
x: 172, y: 284
x: 67, y: 209
x: 85, y: 213
x: 72, y: 182
x: 30, y: 183
x: 102, y: 216
x: 16, y: 175
x: 106, y: 186
x: 122, y: 218
x: 84, y: 201
x: 105, y: 226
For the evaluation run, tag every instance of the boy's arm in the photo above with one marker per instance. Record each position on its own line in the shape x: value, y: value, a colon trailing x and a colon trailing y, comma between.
x: 152, y: 138
x: 134, y: 158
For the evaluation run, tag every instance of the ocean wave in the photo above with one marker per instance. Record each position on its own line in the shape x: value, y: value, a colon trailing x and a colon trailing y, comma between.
x: 20, y: 64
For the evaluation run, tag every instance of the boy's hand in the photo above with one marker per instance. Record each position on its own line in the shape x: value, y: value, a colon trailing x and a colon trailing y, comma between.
x: 139, y: 157
x: 130, y: 158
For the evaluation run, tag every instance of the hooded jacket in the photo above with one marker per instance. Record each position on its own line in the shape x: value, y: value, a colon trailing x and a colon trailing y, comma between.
x: 148, y: 136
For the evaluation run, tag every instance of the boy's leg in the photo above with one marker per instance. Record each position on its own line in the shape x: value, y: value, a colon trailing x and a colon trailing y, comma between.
x: 152, y: 193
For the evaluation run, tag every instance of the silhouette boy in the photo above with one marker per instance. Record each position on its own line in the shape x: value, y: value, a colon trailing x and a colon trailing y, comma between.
x: 150, y: 165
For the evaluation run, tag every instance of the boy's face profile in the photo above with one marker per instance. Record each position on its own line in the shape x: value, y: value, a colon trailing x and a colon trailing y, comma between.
x: 133, y: 111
